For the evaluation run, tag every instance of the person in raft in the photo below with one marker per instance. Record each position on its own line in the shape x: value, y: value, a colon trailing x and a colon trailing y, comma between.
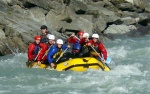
x: 36, y: 50
x: 50, y: 43
x: 98, y: 46
x: 57, y: 51
x: 51, y: 40
x: 78, y: 43
x: 44, y: 33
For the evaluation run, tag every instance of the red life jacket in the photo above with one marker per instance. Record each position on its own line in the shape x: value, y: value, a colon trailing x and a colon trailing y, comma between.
x: 33, y: 49
x: 99, y: 47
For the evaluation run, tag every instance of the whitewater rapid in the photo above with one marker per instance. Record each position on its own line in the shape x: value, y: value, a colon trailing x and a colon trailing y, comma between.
x: 130, y: 73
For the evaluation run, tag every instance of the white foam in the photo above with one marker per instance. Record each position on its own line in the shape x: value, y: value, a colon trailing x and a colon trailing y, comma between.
x: 119, y: 90
x: 68, y: 78
x: 117, y: 52
x: 126, y: 70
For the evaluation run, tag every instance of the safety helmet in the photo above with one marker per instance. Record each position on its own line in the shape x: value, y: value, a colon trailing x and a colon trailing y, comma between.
x: 80, y: 33
x: 59, y: 41
x: 95, y: 36
x: 86, y: 35
x: 37, y: 37
x: 43, y: 27
x: 51, y: 37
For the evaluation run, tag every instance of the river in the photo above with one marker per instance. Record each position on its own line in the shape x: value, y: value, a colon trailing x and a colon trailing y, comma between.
x: 130, y: 73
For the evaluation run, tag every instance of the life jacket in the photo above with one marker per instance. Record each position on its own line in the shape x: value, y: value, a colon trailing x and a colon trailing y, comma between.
x: 76, y: 46
x: 84, y: 49
x: 36, y: 50
x: 95, y: 46
x: 58, y: 53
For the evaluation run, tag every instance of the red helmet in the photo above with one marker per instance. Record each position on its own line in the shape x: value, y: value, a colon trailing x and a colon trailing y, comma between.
x: 37, y: 37
x: 80, y: 33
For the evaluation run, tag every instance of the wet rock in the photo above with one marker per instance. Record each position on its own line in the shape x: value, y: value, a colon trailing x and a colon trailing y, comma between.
x: 99, y: 24
x: 147, y: 5
x: 78, y: 6
x: 117, y: 29
x: 108, y: 16
x: 2, y: 34
x: 54, y: 20
x: 9, y: 2
x: 20, y: 20
x: 80, y: 23
x: 138, y: 17
x: 128, y: 20
x: 38, y: 14
x: 143, y: 29
x: 14, y: 22
x: 130, y: 5
x: 45, y: 4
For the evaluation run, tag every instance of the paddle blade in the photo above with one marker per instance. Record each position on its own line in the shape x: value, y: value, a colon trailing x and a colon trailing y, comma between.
x: 106, y: 68
x: 108, y: 61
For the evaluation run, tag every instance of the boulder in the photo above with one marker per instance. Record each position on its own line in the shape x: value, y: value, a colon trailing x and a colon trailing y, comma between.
x: 128, y: 20
x: 45, y: 4
x: 147, y: 5
x: 138, y: 3
x: 80, y: 23
x: 79, y: 7
x: 130, y: 5
x: 117, y: 29
x: 138, y: 17
x: 9, y: 2
x: 18, y: 27
x: 54, y: 21
x: 38, y: 14
x: 2, y: 34
x: 108, y: 16
x: 99, y: 24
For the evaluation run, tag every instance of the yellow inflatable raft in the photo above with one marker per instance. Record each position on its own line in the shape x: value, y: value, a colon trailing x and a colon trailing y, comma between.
x: 76, y: 64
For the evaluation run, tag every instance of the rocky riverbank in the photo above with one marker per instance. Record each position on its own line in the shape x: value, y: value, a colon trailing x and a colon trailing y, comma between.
x: 20, y: 20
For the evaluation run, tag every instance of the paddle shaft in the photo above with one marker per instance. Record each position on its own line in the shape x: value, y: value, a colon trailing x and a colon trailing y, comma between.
x: 100, y: 57
x: 46, y: 52
x: 37, y: 55
x: 62, y: 53
x: 76, y: 37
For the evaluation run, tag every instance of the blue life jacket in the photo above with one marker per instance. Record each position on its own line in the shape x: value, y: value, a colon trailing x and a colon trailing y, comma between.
x: 36, y: 50
x: 53, y: 50
x: 76, y: 46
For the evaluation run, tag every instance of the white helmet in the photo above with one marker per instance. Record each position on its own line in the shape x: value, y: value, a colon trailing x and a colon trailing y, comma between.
x: 86, y: 35
x: 95, y: 36
x: 59, y: 41
x: 51, y: 37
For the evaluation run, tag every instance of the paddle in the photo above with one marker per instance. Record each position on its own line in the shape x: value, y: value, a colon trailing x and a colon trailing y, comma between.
x: 108, y: 61
x: 76, y: 37
x: 31, y: 64
x: 37, y: 55
x: 60, y: 57
x: 100, y: 57
x: 62, y: 54
x: 46, y: 52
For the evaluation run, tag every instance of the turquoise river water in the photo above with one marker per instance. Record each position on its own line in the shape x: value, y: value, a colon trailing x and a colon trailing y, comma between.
x: 130, y: 73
